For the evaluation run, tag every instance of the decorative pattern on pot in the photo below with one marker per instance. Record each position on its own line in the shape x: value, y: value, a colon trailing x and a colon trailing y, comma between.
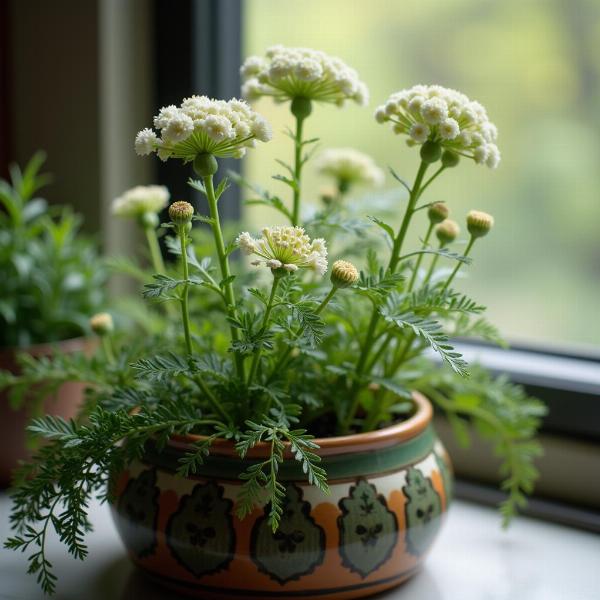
x: 423, y: 510
x: 368, y: 529
x: 138, y: 509
x: 298, y: 545
x: 373, y: 530
x: 200, y: 534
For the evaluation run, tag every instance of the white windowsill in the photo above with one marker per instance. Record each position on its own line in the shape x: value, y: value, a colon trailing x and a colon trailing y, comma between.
x: 473, y: 559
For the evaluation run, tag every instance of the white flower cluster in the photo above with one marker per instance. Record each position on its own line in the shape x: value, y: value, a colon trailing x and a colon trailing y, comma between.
x: 202, y: 125
x: 436, y: 113
x: 349, y: 166
x: 141, y: 200
x: 288, y: 73
x: 286, y: 248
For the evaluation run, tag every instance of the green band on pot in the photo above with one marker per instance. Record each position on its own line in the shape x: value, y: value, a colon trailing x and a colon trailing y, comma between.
x: 338, y: 467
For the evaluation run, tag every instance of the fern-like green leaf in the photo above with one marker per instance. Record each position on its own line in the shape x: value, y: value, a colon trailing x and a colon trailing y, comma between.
x: 429, y: 329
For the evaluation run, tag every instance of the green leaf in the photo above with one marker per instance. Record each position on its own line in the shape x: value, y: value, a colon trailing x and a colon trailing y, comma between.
x: 309, y: 321
x: 222, y: 187
x: 191, y: 462
x: 387, y: 228
x: 392, y: 386
x: 400, y: 180
x: 162, y: 284
x: 444, y: 252
x: 161, y: 368
x: 428, y: 329
x: 378, y: 287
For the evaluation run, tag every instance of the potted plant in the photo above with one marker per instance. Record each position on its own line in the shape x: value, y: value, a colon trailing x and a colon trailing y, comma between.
x: 280, y: 443
x: 52, y: 281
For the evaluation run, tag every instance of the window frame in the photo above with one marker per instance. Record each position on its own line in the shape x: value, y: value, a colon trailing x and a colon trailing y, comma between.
x: 206, y: 59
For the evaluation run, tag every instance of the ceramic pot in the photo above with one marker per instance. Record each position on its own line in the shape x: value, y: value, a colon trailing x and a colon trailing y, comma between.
x: 389, y: 492
x: 64, y: 403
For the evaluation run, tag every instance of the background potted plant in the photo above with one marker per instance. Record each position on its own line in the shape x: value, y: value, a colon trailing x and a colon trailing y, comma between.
x: 52, y: 281
x: 279, y: 443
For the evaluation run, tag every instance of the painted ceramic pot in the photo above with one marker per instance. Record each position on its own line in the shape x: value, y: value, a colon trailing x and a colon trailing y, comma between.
x: 389, y: 492
x: 64, y: 403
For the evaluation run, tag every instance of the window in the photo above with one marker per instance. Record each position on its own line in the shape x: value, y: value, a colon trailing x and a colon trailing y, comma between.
x: 536, y: 68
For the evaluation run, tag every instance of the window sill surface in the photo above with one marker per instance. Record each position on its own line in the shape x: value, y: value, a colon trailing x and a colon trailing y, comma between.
x: 473, y: 559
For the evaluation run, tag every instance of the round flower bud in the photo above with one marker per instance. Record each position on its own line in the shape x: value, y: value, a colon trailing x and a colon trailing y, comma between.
x: 437, y: 212
x: 181, y: 213
x: 343, y: 274
x: 447, y: 231
x: 479, y: 223
x: 430, y: 152
x: 205, y: 165
x: 102, y: 324
x: 450, y: 159
x: 301, y: 107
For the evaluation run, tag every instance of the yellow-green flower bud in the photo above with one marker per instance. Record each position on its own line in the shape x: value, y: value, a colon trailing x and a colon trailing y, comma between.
x: 447, y: 231
x: 437, y: 212
x: 479, y: 223
x: 205, y: 165
x: 430, y: 151
x: 102, y: 324
x: 343, y: 274
x: 181, y: 213
x: 450, y: 159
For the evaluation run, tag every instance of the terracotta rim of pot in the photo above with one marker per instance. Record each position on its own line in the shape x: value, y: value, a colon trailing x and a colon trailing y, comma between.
x: 8, y: 354
x: 345, y: 444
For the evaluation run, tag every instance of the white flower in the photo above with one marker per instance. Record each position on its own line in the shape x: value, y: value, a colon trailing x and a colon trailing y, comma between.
x: 218, y: 128
x: 493, y: 157
x: 380, y: 115
x: 349, y: 166
x: 140, y: 200
x: 201, y: 125
x: 165, y: 115
x: 285, y: 247
x: 146, y: 142
x: 252, y: 66
x: 261, y: 130
x: 438, y: 114
x: 480, y: 154
x: 288, y: 73
x: 419, y: 132
x: 449, y: 129
x: 179, y: 128
x: 434, y: 111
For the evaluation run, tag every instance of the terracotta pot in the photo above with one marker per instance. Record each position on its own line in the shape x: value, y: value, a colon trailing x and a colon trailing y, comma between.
x: 64, y: 403
x: 389, y: 492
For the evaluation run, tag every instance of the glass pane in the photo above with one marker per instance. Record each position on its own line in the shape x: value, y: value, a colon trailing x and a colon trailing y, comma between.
x: 535, y: 67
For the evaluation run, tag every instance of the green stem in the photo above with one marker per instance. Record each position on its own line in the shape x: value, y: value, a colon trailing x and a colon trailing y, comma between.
x: 420, y: 257
x: 394, y: 259
x: 155, y: 254
x: 265, y: 324
x: 107, y: 348
x: 185, y: 317
x: 432, y: 267
x: 297, y: 170
x: 285, y: 356
x: 224, y: 265
x: 458, y: 266
x: 410, y: 209
x: 431, y: 180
